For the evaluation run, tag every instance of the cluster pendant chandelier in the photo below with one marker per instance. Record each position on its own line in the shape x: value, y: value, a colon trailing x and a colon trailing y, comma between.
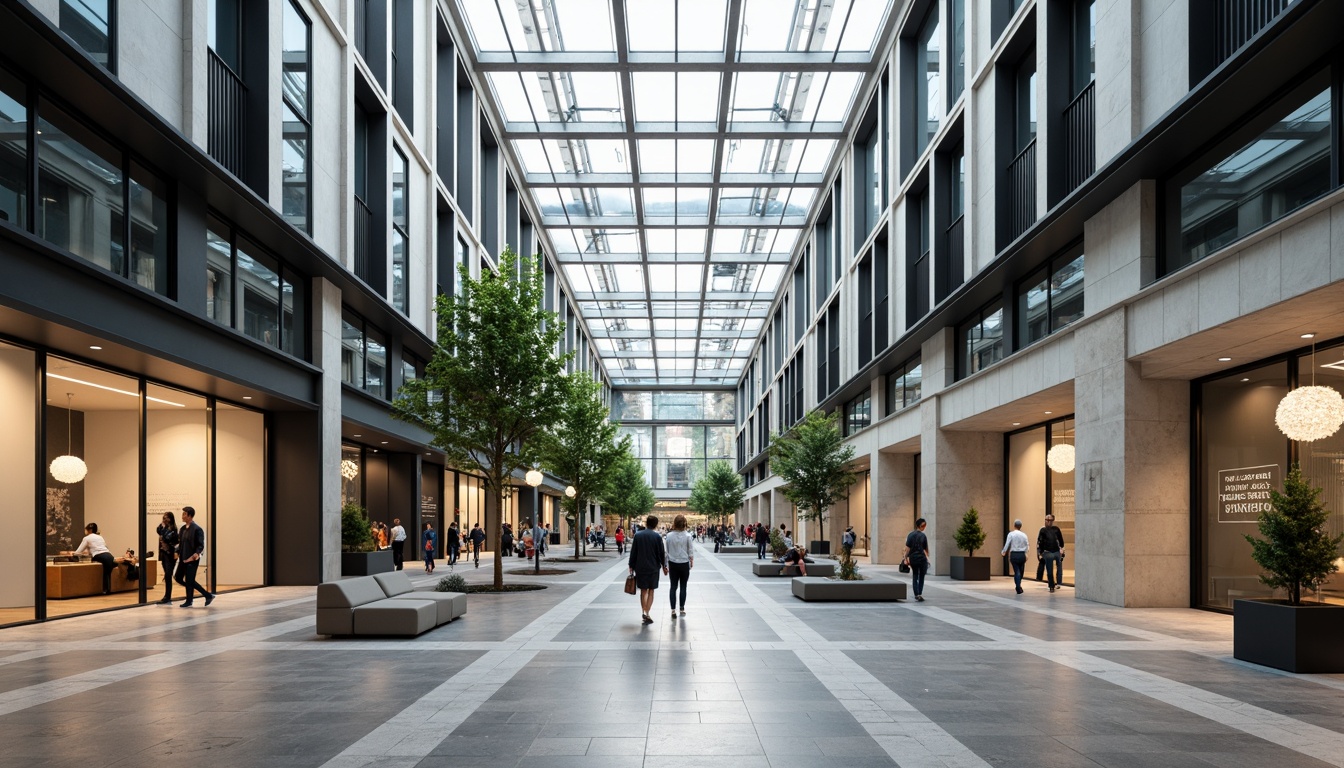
x: 1310, y: 413
x: 69, y: 468
x: 349, y: 469
x: 1060, y: 458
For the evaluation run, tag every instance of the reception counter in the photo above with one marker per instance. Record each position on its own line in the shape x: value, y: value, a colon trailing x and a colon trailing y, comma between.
x: 66, y: 580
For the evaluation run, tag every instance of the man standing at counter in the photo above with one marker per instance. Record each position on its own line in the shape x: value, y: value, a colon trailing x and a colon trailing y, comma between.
x: 191, y: 543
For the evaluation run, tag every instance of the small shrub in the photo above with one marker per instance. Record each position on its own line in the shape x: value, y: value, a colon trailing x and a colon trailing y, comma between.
x: 356, y: 535
x: 453, y: 582
x: 777, y: 543
x: 849, y: 567
x: 970, y: 536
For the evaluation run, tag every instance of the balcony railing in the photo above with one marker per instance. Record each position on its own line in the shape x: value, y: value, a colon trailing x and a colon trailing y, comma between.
x: 1022, y: 191
x: 1237, y: 21
x: 227, y: 139
x: 956, y: 257
x: 1080, y: 138
x: 363, y: 227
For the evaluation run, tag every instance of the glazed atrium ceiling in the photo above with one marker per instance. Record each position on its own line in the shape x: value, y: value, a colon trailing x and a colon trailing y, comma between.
x: 675, y: 151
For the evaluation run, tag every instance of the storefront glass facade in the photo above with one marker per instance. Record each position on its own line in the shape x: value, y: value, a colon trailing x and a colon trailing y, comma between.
x: 1034, y: 489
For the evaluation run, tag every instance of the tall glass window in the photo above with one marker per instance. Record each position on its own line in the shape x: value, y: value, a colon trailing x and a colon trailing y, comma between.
x: 13, y: 152
x: 250, y: 290
x: 1025, y: 126
x: 400, y: 228
x: 1084, y: 44
x: 81, y: 187
x: 352, y: 350
x: 928, y: 98
x: 218, y: 275
x: 956, y: 13
x: 297, y: 117
x: 858, y: 413
x: 259, y: 285
x: 980, y: 341
x: 904, y: 386
x: 1280, y: 170
x: 92, y: 25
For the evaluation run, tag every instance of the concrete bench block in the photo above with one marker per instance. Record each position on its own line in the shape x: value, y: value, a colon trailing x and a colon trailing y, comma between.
x: 395, y: 617
x: 817, y: 589
x: 767, y: 568
x: 738, y: 549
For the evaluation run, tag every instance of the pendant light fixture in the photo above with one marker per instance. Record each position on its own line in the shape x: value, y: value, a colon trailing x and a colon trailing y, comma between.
x: 349, y: 469
x: 69, y: 468
x: 1060, y: 458
x: 1310, y: 413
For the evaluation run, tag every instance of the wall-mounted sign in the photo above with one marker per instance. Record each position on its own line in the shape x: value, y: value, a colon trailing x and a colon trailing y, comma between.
x: 1243, y: 493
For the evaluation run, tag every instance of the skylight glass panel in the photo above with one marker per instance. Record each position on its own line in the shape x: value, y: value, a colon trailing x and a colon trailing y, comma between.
x: 766, y: 25
x: 596, y: 97
x: 667, y: 324
x: 621, y: 324
x: 757, y: 96
x: 747, y: 155
x: 594, y: 201
x: 668, y: 96
x: 679, y: 240
x: 670, y: 25
x: 627, y: 278
x: 865, y: 17
x: 721, y: 346
x: 578, y: 278
x: 676, y: 156
x: 834, y: 101
x: 767, y: 278
x: 483, y: 17
x: 532, y: 153
x: 606, y: 156
x: 817, y: 156
x: 637, y: 363
x: 514, y: 100
x: 594, y: 241
x: 799, y: 201
x: 731, y: 278
x: 672, y: 346
x: 585, y: 25
x: 677, y: 202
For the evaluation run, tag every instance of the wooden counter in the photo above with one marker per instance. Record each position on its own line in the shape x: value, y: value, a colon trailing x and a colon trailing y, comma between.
x: 66, y: 580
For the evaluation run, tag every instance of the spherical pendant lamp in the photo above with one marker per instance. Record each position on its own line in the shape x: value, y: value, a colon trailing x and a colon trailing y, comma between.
x: 349, y: 469
x: 1310, y: 413
x: 1060, y: 458
x: 533, y: 478
x: 69, y: 468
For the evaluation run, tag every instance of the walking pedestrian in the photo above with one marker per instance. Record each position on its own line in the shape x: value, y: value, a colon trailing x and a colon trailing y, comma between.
x: 1050, y: 547
x: 620, y: 540
x: 431, y: 539
x: 454, y: 537
x: 762, y: 540
x: 191, y: 543
x: 680, y: 561
x: 506, y: 539
x: 398, y: 544
x: 917, y: 557
x: 1016, y: 548
x: 647, y: 556
x: 848, y: 539
x: 477, y: 541
x: 167, y: 532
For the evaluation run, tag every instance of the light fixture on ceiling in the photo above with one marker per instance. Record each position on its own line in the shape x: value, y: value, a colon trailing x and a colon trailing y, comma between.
x: 356, y: 435
x: 1245, y: 380
x: 106, y: 388
x: 95, y: 347
x: 69, y: 468
x: 1047, y: 413
x: 1308, y: 335
x: 247, y: 397
x: 1017, y: 423
x: 1310, y: 413
x: 1060, y: 458
x: 349, y: 469
x: 1224, y: 359
x: 384, y: 442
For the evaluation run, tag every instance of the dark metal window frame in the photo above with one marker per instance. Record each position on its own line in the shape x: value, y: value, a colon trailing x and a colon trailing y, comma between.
x: 111, y: 32
x: 305, y: 114
x: 1048, y: 269
x: 286, y: 274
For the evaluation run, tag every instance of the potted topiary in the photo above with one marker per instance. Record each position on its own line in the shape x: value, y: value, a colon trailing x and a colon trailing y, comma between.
x: 358, y: 556
x: 1297, y: 555
x: 970, y: 537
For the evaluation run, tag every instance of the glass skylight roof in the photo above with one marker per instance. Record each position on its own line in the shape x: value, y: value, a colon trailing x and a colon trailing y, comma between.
x: 674, y: 150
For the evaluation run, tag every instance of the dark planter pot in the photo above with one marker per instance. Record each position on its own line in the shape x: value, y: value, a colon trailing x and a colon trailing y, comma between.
x: 819, y: 547
x: 1294, y: 638
x: 970, y: 568
x: 366, y: 563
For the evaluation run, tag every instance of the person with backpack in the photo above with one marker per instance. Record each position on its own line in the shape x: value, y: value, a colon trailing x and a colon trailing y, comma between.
x: 848, y: 540
x: 431, y: 540
x: 477, y: 542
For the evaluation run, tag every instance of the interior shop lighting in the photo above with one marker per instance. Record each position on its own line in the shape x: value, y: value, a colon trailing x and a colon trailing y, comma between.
x: 1060, y: 458
x: 69, y: 468
x: 1310, y: 413
x: 113, y: 389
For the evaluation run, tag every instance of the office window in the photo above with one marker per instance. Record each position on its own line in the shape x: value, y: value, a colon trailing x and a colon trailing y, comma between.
x: 980, y: 341
x: 1050, y: 299
x: 858, y: 413
x: 904, y: 386
x: 92, y: 25
x: 364, y: 363
x: 823, y: 273
x: 14, y: 152
x: 956, y: 18
x: 400, y: 232
x: 1083, y: 67
x: 928, y: 96
x: 1024, y: 112
x: 865, y: 306
x: 1226, y: 196
x: 402, y: 83
x: 252, y: 291
x: 870, y: 172
x: 296, y: 115
x: 920, y: 244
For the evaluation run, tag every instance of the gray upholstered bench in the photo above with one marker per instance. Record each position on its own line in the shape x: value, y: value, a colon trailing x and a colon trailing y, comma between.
x: 770, y: 568
x: 384, y: 604
x: 817, y: 589
x: 395, y: 617
x: 398, y: 586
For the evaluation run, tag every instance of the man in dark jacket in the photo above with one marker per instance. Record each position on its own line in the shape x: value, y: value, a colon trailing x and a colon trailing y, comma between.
x: 647, y: 556
x: 190, y: 545
x: 477, y: 541
x: 762, y: 539
x: 1050, y: 548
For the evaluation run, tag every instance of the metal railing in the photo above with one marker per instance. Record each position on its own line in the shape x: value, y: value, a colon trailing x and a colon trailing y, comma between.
x: 1237, y: 21
x: 1080, y: 138
x: 956, y: 256
x: 1022, y: 191
x: 363, y: 228
x: 227, y: 138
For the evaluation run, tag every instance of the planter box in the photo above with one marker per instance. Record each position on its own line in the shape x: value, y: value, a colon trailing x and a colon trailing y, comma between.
x: 366, y: 563
x: 970, y: 568
x: 819, y: 547
x: 812, y: 589
x: 738, y: 549
x: 768, y: 568
x: 1304, y: 638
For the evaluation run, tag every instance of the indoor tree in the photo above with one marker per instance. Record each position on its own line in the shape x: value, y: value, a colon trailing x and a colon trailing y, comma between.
x: 495, y: 381
x: 580, y: 446
x: 1297, y: 552
x: 813, y: 461
x: 628, y: 495
x: 970, y: 536
x: 717, y: 495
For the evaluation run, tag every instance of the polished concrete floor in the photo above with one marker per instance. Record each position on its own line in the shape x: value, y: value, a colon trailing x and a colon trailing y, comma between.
x: 750, y: 678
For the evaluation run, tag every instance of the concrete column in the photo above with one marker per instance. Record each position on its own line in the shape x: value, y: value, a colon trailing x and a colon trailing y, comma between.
x: 326, y: 340
x: 959, y: 470
x: 893, y: 505
x: 1132, y: 477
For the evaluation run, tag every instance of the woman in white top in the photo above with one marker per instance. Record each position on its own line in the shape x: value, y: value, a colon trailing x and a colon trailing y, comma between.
x: 1016, y: 548
x: 96, y: 548
x: 680, y: 559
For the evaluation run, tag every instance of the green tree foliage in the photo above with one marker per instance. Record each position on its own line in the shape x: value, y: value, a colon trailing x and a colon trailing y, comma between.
x: 495, y: 381
x: 1297, y: 553
x: 356, y: 535
x: 777, y: 547
x: 581, y: 447
x: 813, y: 461
x: 849, y: 567
x: 970, y: 536
x: 627, y: 495
x: 717, y: 495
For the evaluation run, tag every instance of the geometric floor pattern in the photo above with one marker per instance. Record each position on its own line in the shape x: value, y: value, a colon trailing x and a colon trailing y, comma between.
x: 750, y: 678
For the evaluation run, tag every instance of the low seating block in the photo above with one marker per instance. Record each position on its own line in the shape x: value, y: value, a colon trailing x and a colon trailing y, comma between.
x: 768, y: 568
x: 818, y: 589
x: 738, y: 549
x: 395, y: 617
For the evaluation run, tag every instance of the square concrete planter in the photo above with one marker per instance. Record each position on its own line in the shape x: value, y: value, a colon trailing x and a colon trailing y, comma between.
x: 970, y: 568
x: 738, y: 549
x: 1294, y: 638
x: 811, y: 589
x: 769, y: 568
x: 366, y: 563
x: 819, y: 547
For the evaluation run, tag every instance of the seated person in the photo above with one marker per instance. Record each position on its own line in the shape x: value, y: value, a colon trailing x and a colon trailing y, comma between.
x: 798, y: 557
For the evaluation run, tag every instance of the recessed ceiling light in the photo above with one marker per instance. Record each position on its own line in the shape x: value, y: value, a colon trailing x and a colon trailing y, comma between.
x: 1224, y: 359
x: 384, y: 442
x: 95, y: 347
x: 1308, y: 335
x: 1047, y: 413
x: 247, y: 397
x: 1245, y: 379
x: 1017, y: 423
x: 356, y: 435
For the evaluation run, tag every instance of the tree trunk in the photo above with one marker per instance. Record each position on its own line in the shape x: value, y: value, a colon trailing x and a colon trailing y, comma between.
x: 492, y: 535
